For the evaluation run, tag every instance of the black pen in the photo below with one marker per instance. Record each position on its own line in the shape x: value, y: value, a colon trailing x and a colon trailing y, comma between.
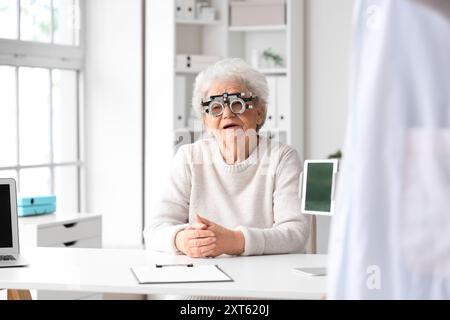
x: 174, y: 265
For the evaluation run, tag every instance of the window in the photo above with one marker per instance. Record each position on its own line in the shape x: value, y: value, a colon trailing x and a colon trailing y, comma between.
x: 41, y: 60
x: 48, y: 21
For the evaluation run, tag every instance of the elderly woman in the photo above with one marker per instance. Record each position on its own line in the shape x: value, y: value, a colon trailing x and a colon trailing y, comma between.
x: 235, y: 192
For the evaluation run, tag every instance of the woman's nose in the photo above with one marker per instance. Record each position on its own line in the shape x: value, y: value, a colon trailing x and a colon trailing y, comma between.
x: 227, y: 112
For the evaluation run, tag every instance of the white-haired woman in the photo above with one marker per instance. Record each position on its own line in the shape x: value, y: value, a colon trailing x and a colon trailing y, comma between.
x: 235, y: 192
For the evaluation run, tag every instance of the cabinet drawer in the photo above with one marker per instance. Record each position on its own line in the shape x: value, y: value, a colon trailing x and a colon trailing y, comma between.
x: 66, y: 233
x: 83, y: 243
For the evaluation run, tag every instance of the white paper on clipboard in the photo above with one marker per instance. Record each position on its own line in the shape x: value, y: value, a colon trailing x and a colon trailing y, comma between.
x: 179, y: 273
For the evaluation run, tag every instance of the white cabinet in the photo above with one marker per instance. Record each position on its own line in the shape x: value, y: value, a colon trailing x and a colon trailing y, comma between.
x: 61, y: 230
x: 78, y: 230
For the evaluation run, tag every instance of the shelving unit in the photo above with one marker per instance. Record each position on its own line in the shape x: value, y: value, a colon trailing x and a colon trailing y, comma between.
x: 220, y: 39
x: 170, y: 87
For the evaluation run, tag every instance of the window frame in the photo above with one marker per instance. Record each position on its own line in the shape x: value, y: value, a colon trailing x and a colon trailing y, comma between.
x: 20, y: 53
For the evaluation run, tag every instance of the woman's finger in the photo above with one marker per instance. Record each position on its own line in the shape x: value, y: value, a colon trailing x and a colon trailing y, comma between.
x: 192, y: 234
x: 197, y: 226
x: 197, y: 252
x: 200, y: 219
x: 200, y: 242
x: 205, y: 249
x: 211, y: 253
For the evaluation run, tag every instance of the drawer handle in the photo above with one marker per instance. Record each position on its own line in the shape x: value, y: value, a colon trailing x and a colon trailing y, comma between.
x: 70, y: 225
x: 70, y: 244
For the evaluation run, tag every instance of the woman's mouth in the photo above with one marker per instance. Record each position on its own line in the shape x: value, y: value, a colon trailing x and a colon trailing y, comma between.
x: 231, y: 126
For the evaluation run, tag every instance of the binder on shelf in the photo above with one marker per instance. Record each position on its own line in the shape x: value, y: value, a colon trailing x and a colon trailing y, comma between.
x: 189, y: 9
x: 185, y: 9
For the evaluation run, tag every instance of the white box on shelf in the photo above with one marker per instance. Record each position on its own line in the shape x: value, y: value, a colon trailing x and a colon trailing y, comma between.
x: 198, y: 8
x: 261, y: 12
x: 207, y: 14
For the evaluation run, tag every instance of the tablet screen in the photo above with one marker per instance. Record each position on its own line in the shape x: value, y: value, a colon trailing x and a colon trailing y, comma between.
x: 319, y: 187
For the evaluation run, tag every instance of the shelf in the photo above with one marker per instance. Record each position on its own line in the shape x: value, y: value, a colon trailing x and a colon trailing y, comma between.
x: 187, y: 71
x: 281, y: 27
x: 281, y: 71
x: 199, y: 22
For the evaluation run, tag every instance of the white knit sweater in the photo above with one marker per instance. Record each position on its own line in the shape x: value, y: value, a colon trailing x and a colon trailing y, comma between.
x: 258, y: 196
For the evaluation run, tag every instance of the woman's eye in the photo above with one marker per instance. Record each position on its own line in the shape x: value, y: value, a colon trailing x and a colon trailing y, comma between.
x: 237, y: 106
x: 216, y: 108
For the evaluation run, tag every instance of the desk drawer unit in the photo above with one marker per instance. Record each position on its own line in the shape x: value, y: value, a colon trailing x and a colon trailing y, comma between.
x: 64, y: 231
x: 68, y: 233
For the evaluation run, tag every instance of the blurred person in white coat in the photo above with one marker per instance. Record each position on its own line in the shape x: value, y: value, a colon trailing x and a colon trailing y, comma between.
x: 390, y: 236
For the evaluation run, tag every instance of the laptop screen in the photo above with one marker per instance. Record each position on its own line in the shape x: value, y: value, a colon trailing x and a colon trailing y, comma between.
x: 6, y: 239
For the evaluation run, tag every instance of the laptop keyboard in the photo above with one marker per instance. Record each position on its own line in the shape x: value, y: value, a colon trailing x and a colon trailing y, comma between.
x: 7, y: 258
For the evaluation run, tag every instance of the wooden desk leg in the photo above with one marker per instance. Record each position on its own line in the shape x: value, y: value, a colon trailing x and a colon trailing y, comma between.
x: 19, y: 294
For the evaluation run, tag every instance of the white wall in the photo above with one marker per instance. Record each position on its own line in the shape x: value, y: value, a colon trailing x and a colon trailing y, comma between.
x: 328, y: 37
x: 159, y: 132
x: 113, y: 117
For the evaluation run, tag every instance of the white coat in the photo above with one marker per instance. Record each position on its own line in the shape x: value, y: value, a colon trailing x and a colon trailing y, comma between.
x: 390, y: 236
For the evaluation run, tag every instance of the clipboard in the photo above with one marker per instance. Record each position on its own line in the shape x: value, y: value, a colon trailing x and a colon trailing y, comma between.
x: 179, y: 273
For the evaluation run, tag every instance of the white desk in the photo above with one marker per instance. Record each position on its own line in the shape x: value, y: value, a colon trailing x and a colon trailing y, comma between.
x: 108, y: 270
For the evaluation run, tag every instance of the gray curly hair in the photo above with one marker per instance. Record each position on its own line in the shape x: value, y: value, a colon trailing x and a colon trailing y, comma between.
x: 230, y: 69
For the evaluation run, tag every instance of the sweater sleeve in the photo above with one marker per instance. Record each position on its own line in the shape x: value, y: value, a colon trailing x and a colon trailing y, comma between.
x: 171, y: 214
x: 290, y: 230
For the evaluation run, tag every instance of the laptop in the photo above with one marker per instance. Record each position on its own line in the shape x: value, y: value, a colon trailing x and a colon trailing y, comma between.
x: 9, y: 230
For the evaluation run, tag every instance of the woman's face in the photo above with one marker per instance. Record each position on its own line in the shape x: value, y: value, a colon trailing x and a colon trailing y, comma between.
x: 229, y: 122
